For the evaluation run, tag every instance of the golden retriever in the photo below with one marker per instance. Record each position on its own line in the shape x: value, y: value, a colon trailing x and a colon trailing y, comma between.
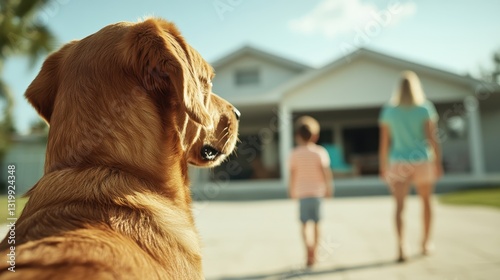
x: 129, y: 107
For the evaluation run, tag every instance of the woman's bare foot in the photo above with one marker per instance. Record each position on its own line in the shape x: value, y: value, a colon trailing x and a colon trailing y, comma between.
x: 427, y: 248
x: 401, y: 254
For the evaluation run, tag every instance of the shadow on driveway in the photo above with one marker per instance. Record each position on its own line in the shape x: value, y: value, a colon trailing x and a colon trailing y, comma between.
x: 299, y: 273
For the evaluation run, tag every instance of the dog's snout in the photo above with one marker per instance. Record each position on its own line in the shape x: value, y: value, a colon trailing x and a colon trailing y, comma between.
x: 237, y: 113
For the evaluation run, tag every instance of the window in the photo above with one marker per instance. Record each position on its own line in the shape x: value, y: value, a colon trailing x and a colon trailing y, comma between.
x: 245, y: 77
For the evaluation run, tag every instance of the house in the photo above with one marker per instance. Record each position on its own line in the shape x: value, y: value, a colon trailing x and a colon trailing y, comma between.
x: 27, y: 153
x: 345, y: 96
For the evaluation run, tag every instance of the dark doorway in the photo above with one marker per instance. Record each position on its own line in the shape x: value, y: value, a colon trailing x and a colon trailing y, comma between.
x: 361, y: 148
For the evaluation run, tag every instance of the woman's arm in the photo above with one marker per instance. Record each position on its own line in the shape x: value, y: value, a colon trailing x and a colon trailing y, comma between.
x: 431, y: 134
x: 384, y: 149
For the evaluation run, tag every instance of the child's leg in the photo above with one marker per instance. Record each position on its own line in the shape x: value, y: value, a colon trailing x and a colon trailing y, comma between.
x: 315, y: 244
x: 304, y: 235
x: 316, y: 236
x: 309, y: 249
x: 303, y: 219
x: 315, y: 219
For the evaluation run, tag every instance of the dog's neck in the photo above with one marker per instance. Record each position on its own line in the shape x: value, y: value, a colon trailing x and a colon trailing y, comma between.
x: 121, y: 139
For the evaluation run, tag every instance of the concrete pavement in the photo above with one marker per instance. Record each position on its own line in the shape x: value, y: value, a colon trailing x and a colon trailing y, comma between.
x: 261, y: 240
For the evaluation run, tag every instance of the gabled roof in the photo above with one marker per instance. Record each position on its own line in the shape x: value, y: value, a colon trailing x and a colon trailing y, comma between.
x: 309, y: 74
x: 249, y: 50
x: 382, y: 58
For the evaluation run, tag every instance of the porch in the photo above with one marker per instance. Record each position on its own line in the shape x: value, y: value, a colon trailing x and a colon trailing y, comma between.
x: 258, y: 168
x: 350, y: 135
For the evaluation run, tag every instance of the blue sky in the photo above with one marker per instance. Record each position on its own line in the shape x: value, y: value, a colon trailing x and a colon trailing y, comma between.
x: 456, y: 36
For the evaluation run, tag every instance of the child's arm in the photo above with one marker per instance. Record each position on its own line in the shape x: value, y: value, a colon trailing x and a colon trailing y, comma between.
x: 291, y: 181
x: 327, y: 172
x: 291, y: 184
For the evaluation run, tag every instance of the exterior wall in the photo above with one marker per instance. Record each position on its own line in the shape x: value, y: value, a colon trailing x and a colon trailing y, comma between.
x: 271, y: 76
x: 490, y: 126
x: 364, y: 83
x: 29, y: 158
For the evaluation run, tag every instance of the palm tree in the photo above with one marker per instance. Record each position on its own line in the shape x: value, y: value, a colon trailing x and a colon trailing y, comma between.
x: 496, y: 70
x: 20, y: 34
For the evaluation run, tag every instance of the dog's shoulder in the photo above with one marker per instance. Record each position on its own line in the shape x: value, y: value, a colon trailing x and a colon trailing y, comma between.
x: 118, y: 225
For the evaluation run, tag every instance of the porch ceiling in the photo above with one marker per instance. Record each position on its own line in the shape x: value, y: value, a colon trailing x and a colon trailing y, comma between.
x: 257, y: 115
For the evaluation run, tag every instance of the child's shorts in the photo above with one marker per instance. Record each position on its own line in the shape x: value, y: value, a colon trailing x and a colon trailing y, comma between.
x: 309, y: 209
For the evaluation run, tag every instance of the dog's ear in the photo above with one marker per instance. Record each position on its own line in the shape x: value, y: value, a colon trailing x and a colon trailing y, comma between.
x: 158, y: 53
x: 42, y: 91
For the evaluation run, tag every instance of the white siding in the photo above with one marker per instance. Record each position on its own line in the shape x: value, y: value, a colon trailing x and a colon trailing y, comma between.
x: 271, y: 76
x: 364, y: 83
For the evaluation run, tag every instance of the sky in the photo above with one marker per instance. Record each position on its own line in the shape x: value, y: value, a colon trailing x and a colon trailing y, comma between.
x: 456, y: 36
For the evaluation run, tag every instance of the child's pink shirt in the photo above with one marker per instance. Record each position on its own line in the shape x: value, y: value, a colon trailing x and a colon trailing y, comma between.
x: 307, y: 163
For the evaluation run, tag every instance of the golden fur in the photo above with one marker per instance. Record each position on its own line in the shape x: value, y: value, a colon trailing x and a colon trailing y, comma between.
x: 129, y: 107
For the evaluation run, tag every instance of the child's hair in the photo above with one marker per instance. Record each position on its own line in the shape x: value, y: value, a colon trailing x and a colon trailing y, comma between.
x: 409, y: 91
x: 306, y: 127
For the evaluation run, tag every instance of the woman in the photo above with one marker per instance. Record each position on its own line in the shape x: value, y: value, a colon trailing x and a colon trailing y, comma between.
x: 409, y: 152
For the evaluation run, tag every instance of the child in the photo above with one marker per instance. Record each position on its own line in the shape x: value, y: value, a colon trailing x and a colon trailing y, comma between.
x: 310, y: 179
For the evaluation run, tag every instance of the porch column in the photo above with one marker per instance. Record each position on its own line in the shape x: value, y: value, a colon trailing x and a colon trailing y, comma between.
x: 337, y: 135
x: 286, y: 140
x: 475, y: 135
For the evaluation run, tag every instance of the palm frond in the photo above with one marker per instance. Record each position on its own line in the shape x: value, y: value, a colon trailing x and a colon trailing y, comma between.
x: 27, y: 7
x: 42, y: 42
x: 7, y: 102
x: 5, y: 93
x: 20, y: 34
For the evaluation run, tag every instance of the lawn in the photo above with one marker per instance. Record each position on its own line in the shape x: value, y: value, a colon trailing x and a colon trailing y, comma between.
x: 482, y: 197
x: 4, y: 211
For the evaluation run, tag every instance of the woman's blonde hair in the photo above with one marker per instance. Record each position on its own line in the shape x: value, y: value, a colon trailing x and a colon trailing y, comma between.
x: 409, y: 91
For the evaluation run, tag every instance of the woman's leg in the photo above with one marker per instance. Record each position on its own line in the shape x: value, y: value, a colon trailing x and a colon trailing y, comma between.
x: 425, y: 191
x: 399, y: 192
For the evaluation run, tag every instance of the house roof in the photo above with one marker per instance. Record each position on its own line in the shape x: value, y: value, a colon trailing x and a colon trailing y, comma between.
x: 383, y: 58
x: 249, y: 50
x: 309, y: 74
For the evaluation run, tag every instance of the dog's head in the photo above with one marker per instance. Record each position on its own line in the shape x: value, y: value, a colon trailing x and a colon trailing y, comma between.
x: 124, y: 91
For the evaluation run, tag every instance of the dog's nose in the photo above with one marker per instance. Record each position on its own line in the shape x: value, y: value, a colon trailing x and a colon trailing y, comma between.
x: 237, y: 113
